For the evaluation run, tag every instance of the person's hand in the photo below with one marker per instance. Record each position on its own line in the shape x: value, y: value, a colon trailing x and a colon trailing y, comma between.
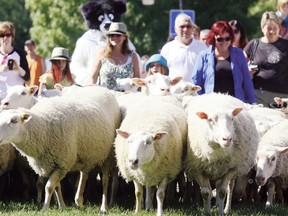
x: 3, y: 68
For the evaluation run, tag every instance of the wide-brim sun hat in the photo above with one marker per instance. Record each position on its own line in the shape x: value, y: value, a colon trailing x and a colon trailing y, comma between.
x: 158, y: 58
x: 60, y: 53
x: 117, y: 28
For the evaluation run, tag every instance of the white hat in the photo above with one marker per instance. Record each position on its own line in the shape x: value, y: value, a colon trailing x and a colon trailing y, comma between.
x: 117, y: 28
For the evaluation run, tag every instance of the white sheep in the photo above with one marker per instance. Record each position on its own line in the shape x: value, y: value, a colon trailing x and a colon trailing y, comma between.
x: 271, y: 159
x: 126, y: 85
x: 149, y: 145
x: 185, y: 88
x: 156, y: 84
x: 64, y: 134
x: 20, y: 96
x: 222, y: 144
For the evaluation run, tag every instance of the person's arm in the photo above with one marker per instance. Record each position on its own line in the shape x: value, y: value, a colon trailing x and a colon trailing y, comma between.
x: 197, y: 74
x: 23, y: 68
x: 95, y: 70
x: 136, y: 66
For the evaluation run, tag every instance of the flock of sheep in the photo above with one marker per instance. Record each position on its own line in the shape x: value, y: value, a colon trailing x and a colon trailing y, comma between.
x: 147, y: 137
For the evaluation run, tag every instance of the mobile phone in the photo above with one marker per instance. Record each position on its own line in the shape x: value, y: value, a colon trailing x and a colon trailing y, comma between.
x: 10, y: 64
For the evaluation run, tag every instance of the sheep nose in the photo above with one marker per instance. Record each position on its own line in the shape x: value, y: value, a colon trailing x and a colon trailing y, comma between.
x: 165, y: 89
x: 134, y: 163
x: 260, y: 180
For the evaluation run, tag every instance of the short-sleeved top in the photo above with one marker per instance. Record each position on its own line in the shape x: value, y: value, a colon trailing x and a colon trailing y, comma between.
x: 49, y: 82
x: 272, y: 61
x: 12, y: 77
x: 35, y: 67
x: 109, y: 72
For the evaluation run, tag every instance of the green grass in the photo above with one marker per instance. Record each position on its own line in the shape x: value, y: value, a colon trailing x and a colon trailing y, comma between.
x: 126, y: 208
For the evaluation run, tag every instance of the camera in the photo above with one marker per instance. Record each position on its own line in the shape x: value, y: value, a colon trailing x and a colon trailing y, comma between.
x: 10, y: 64
x: 253, y: 67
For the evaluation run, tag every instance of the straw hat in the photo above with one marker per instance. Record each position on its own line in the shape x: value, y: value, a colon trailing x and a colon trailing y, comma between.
x: 117, y: 28
x: 60, y: 53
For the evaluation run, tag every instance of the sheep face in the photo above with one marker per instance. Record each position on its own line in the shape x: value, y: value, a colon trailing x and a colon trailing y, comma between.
x: 220, y: 124
x: 185, y: 88
x: 157, y: 84
x: 11, y: 123
x: 19, y: 96
x: 140, y: 147
x: 266, y: 162
x: 281, y: 103
x: 126, y: 85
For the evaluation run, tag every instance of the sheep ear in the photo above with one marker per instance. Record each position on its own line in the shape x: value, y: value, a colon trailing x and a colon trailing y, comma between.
x: 202, y: 115
x: 33, y: 89
x: 278, y: 100
x: 25, y: 118
x: 175, y: 80
x: 139, y: 82
x: 281, y: 150
x: 160, y: 135
x: 196, y: 88
x: 123, y: 134
x: 236, y: 111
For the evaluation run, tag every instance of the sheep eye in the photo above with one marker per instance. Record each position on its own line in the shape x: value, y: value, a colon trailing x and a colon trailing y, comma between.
x: 101, y: 18
x: 23, y: 93
x: 111, y: 16
x: 14, y: 120
x: 148, y: 142
x: 273, y: 159
x: 133, y: 84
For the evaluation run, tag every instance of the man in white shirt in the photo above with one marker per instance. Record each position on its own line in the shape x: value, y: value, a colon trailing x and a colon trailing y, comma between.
x: 181, y: 53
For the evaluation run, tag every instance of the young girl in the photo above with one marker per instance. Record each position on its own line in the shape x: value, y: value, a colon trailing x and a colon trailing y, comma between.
x: 156, y: 63
x: 282, y: 12
x: 60, y: 71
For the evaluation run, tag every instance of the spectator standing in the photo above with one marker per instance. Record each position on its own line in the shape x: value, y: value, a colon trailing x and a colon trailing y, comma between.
x: 181, y: 52
x: 282, y: 12
x: 59, y: 72
x: 203, y: 36
x: 35, y: 62
x: 240, y: 38
x: 223, y: 67
x: 116, y: 60
x: 19, y: 72
x: 196, y: 31
x: 270, y: 56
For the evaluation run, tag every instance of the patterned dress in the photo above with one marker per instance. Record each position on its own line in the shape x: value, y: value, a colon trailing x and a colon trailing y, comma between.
x: 109, y: 72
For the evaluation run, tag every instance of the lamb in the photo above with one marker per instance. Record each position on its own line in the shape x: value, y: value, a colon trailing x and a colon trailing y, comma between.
x: 126, y: 85
x: 222, y: 144
x: 185, y: 88
x: 149, y: 145
x: 70, y: 133
x: 271, y: 159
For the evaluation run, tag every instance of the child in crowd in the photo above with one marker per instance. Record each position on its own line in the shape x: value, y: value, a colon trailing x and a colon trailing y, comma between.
x: 60, y: 71
x: 156, y: 63
x: 282, y: 12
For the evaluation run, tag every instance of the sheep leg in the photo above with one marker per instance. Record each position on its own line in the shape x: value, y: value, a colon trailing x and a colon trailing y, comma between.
x: 105, y: 184
x: 51, y: 184
x: 114, y: 187
x: 138, y: 195
x: 206, y: 192
x: 160, y: 196
x: 149, y: 197
x: 59, y: 196
x: 39, y: 186
x: 221, y: 189
x: 270, y: 193
x: 81, y: 187
x: 229, y: 196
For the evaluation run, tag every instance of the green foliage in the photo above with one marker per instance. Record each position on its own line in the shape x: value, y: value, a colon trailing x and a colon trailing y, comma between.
x: 15, y: 12
x: 55, y: 23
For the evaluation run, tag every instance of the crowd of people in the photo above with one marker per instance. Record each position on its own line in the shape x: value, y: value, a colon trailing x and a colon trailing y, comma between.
x: 220, y: 59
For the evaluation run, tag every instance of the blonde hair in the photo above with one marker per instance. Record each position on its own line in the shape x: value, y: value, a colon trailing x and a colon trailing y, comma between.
x: 7, y: 26
x: 280, y: 4
x: 270, y: 15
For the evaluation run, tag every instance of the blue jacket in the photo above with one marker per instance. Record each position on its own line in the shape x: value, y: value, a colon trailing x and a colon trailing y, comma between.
x: 204, y: 73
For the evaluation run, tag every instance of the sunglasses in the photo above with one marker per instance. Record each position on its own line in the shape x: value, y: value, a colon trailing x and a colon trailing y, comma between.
x: 114, y: 35
x: 236, y: 31
x: 185, y: 26
x: 221, y: 39
x: 5, y: 35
